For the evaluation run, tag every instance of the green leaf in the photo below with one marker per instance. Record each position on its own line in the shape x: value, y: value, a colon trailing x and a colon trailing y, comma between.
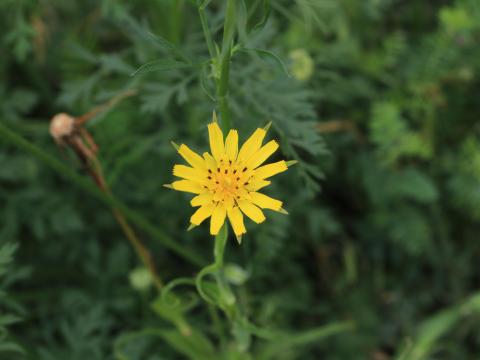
x: 268, y: 57
x: 203, y: 3
x: 9, y: 319
x: 415, y: 185
x: 172, y: 308
x: 204, y: 83
x: 195, y: 346
x: 266, y: 14
x: 10, y: 347
x: 169, y: 46
x: 431, y: 330
x: 313, y: 336
x: 163, y: 65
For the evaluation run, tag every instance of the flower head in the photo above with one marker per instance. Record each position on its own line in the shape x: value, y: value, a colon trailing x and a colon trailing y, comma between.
x: 227, y: 181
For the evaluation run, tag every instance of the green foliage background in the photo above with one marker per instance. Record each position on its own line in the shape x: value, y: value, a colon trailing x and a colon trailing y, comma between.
x: 381, y: 110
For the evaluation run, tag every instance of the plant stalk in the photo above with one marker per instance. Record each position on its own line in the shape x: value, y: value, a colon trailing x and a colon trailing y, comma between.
x: 95, y: 171
x: 226, y: 54
x: 86, y: 185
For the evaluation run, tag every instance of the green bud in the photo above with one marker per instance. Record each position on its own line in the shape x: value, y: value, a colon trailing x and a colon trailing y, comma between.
x: 140, y: 279
x: 235, y: 274
x: 302, y: 65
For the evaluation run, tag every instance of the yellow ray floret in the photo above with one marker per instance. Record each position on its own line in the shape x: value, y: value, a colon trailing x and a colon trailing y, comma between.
x: 227, y: 180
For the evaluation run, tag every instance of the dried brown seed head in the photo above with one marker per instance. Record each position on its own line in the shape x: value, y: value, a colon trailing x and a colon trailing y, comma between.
x: 61, y: 127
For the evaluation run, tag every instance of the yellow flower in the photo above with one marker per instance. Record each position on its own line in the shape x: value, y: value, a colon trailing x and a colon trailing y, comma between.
x: 227, y: 181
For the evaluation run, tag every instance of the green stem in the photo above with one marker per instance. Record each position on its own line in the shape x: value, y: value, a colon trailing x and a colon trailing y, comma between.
x: 94, y: 169
x: 222, y: 94
x: 139, y: 248
x: 223, y: 81
x: 220, y: 243
x: 225, y: 298
x: 218, y: 325
x: 86, y: 185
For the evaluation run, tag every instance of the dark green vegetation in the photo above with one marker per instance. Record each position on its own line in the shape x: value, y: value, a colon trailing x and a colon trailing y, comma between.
x: 379, y: 257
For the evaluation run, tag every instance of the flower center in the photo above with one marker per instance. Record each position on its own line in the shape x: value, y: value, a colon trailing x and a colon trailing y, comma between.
x: 227, y: 182
x: 227, y: 185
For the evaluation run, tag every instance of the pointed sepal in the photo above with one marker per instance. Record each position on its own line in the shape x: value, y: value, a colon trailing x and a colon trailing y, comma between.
x: 267, y: 127
x: 239, y: 239
x: 175, y: 145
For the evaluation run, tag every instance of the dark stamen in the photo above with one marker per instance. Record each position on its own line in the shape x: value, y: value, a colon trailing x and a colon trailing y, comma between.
x: 244, y: 169
x: 210, y: 171
x: 246, y: 183
x: 235, y: 171
x: 216, y: 182
x: 218, y: 169
x: 226, y: 171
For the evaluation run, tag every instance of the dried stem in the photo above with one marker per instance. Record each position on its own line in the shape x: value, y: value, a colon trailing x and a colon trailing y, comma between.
x: 95, y: 171
x: 112, y: 102
x: 59, y: 167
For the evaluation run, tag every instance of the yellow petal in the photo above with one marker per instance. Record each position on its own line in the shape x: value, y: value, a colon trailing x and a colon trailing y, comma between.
x: 259, y: 157
x: 216, y: 141
x: 191, y: 157
x: 231, y: 145
x: 188, y: 186
x: 189, y: 173
x: 252, y: 145
x: 236, y: 219
x: 256, y: 184
x: 210, y: 161
x: 202, y: 199
x: 265, y: 202
x: 228, y: 203
x: 266, y: 171
x: 201, y: 214
x: 252, y: 211
x: 218, y: 218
